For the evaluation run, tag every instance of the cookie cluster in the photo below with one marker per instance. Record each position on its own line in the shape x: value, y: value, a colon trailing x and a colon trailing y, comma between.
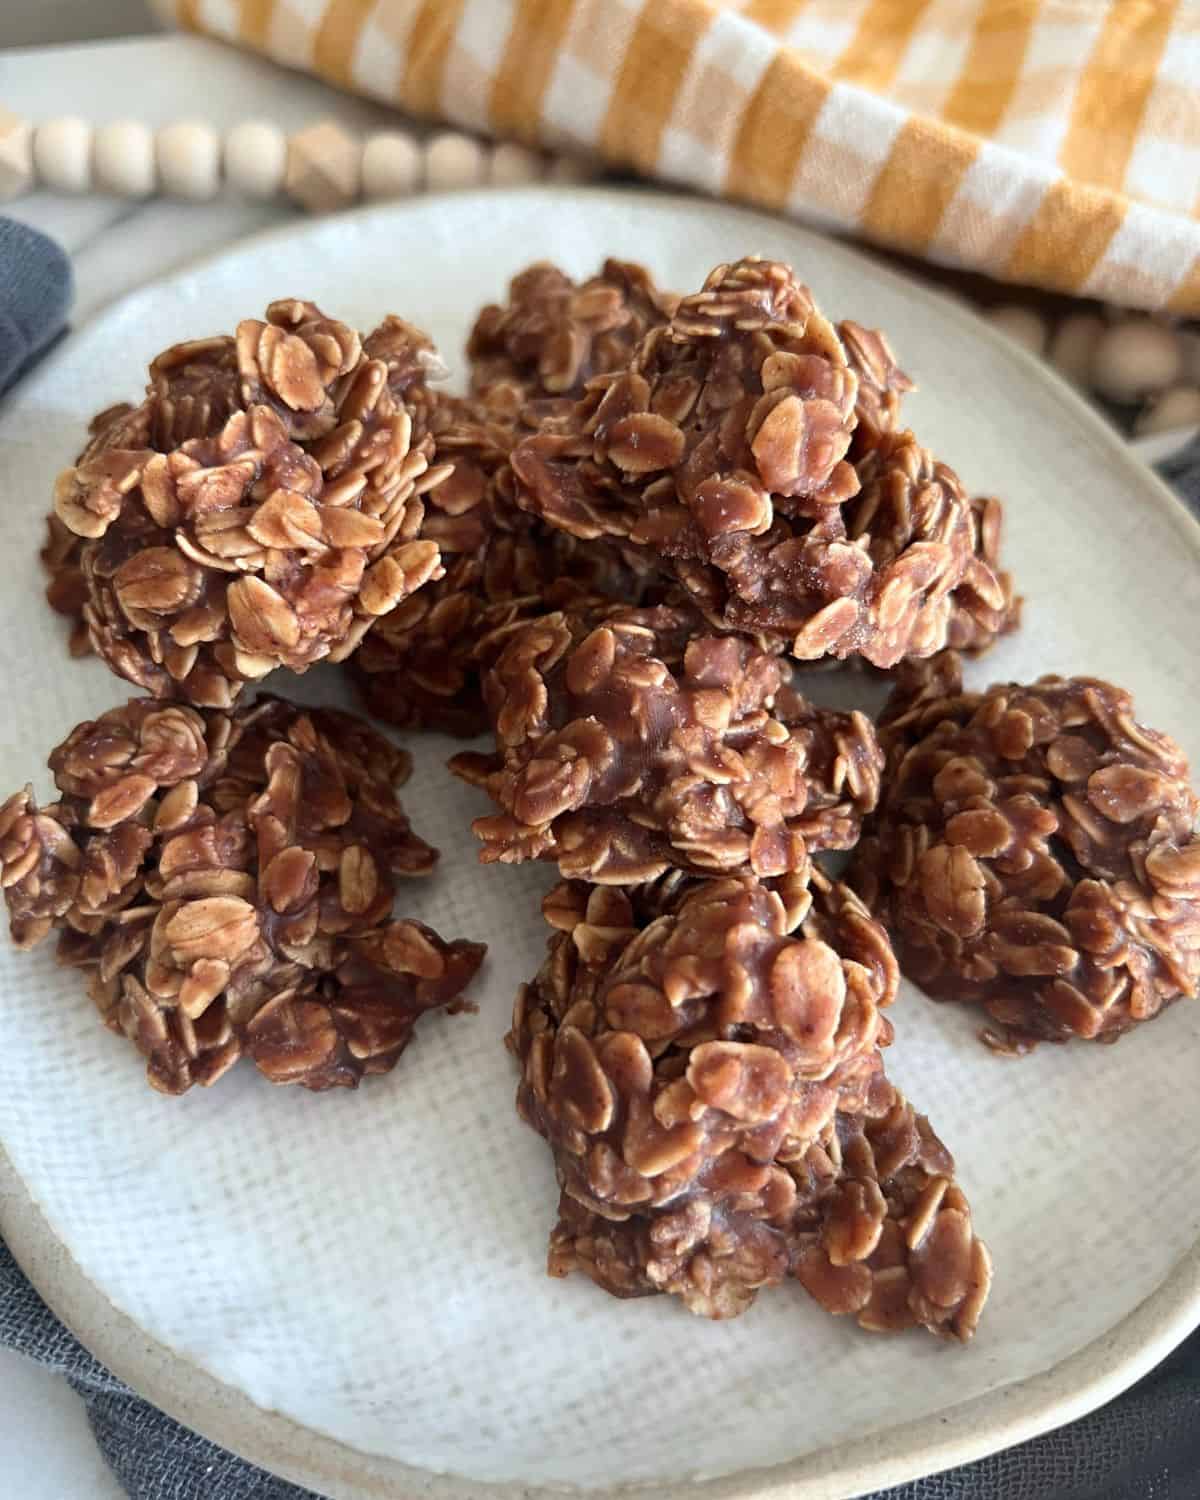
x: 620, y: 557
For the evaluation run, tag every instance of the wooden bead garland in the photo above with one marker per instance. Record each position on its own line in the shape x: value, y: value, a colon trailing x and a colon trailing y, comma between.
x: 123, y: 159
x: 1021, y: 324
x: 256, y: 159
x: 62, y: 154
x: 324, y: 168
x: 1073, y: 345
x: 1189, y: 343
x: 1145, y: 371
x: 454, y: 161
x: 392, y: 165
x: 189, y: 160
x: 514, y: 166
x: 1136, y: 359
x: 16, y: 155
x: 570, y: 169
x: 1169, y: 412
x: 321, y: 168
x: 1131, y: 361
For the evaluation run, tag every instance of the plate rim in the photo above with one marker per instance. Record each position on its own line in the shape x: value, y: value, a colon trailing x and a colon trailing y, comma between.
x: 986, y: 1424
x: 974, y: 1429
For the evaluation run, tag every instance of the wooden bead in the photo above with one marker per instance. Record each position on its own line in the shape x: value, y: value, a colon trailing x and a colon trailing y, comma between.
x: 568, y: 169
x: 189, y: 160
x: 1021, y: 324
x: 453, y: 161
x: 1189, y: 348
x: 256, y: 154
x: 1174, y: 409
x: 16, y: 155
x: 324, y: 167
x: 123, y: 159
x: 1073, y: 345
x: 62, y: 154
x: 391, y: 165
x: 1136, y: 359
x: 513, y: 165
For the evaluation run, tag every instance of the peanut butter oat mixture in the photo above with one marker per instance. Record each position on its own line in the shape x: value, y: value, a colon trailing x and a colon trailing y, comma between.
x: 704, y: 1062
x: 724, y: 451
x: 617, y: 556
x: 637, y: 740
x: 261, y: 507
x: 420, y: 666
x: 554, y: 334
x: 1035, y: 853
x: 225, y: 882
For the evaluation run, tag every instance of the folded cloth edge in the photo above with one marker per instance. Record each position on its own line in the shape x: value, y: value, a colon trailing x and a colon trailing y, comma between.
x: 789, y: 140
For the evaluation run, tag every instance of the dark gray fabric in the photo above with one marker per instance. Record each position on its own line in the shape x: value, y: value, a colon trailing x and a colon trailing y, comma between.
x: 35, y: 293
x: 1143, y: 1446
x: 153, y: 1457
x: 1182, y: 472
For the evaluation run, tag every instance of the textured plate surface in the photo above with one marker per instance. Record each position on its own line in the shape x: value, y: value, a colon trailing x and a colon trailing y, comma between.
x: 369, y: 1266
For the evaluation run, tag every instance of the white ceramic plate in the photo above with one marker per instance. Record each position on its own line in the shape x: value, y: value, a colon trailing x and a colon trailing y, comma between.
x: 349, y: 1288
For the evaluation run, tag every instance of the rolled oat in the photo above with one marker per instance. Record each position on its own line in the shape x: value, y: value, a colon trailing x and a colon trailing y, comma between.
x: 631, y: 742
x: 1035, y: 853
x: 279, y: 529
x: 724, y: 452
x: 704, y: 1063
x: 226, y: 880
x: 419, y: 667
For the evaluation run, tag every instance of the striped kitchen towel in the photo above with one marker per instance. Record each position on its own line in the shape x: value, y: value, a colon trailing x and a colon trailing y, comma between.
x: 1049, y: 142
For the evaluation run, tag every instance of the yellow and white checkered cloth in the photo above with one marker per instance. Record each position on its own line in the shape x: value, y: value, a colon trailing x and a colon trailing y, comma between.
x: 1049, y: 142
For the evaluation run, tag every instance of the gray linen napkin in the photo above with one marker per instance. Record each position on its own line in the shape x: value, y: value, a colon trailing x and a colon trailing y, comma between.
x: 35, y: 293
x: 1143, y: 1446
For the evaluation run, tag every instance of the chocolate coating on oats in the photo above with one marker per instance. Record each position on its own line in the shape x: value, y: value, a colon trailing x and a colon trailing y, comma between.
x: 635, y: 742
x: 121, y: 427
x: 66, y: 591
x: 980, y: 615
x: 710, y: 1083
x: 1035, y: 853
x: 881, y: 384
x: 906, y: 499
x: 259, y: 509
x: 724, y: 451
x: 226, y: 881
x: 419, y: 666
x: 984, y: 605
x: 191, y: 392
x: 553, y: 334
